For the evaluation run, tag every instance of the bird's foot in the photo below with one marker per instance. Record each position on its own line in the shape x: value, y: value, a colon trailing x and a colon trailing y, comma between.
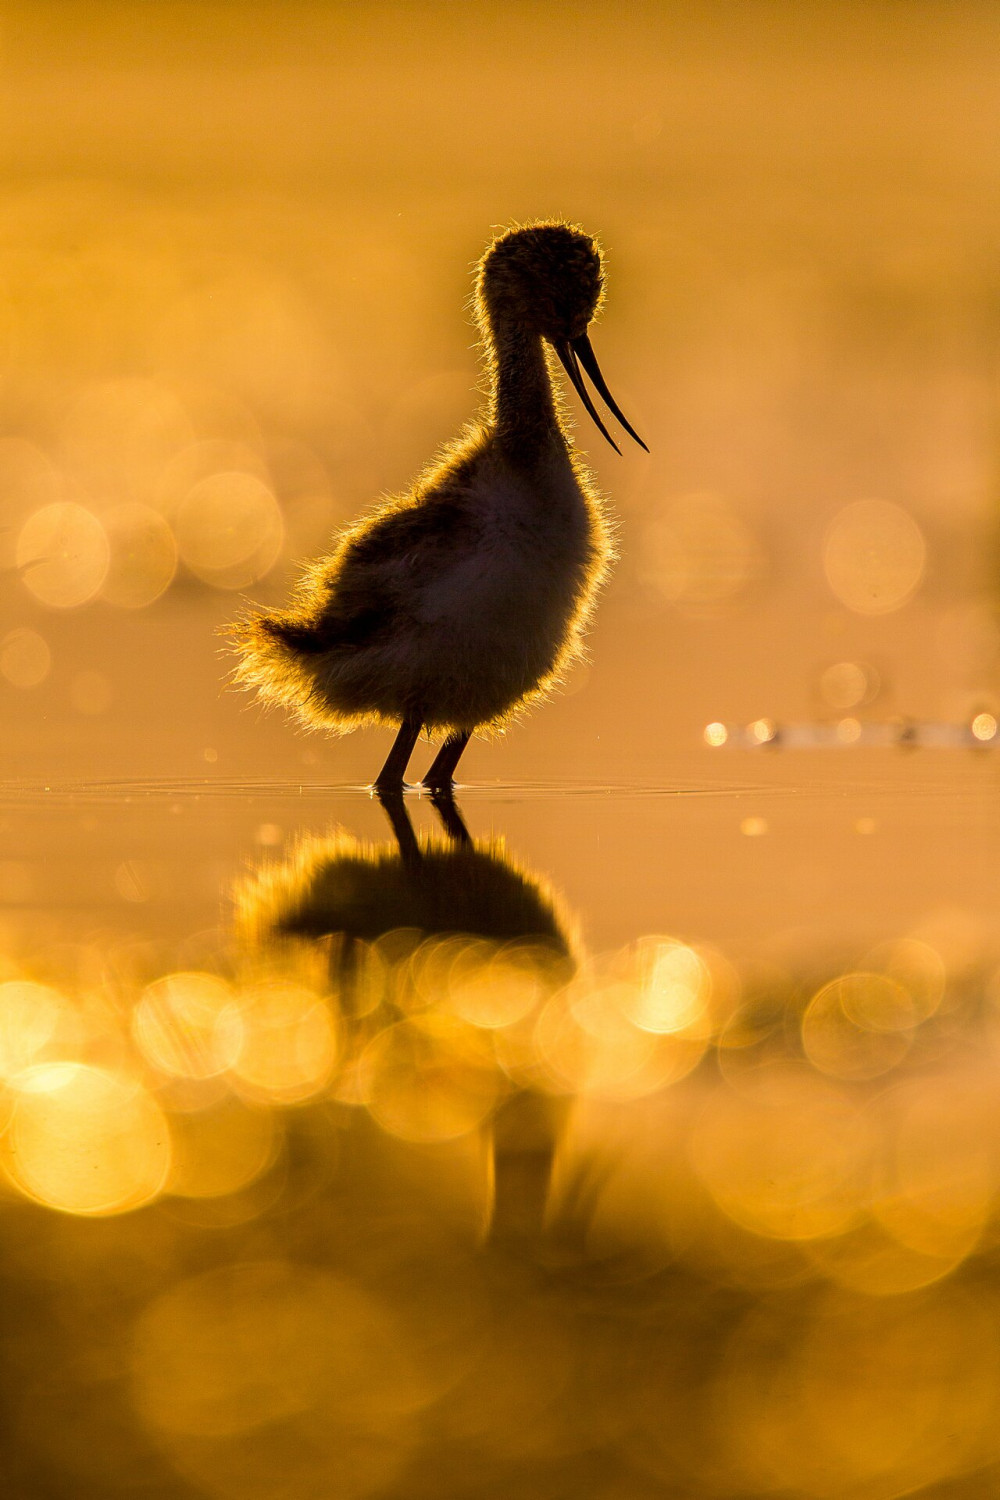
x: 383, y: 789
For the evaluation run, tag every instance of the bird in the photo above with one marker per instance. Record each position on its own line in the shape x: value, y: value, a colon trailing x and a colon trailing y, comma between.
x: 453, y: 607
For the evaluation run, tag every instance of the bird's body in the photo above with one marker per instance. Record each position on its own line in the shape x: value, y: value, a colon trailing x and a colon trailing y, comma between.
x: 452, y: 607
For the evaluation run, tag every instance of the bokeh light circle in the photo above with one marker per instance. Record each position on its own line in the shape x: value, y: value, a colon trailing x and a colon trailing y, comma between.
x: 188, y: 1024
x: 143, y: 556
x: 229, y: 529
x: 858, y: 1026
x: 25, y: 658
x: 432, y: 1079
x: 874, y: 555
x: 784, y: 1158
x: 63, y: 554
x: 699, y: 552
x: 288, y: 1045
x: 848, y: 684
x: 268, y: 1378
x: 493, y: 988
x: 29, y: 1015
x: 85, y: 1141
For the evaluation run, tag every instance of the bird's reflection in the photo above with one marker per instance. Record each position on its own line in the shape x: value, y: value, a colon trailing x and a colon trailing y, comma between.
x: 417, y: 927
x: 353, y: 893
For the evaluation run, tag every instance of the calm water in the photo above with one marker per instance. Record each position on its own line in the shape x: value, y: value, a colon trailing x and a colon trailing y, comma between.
x: 644, y: 1142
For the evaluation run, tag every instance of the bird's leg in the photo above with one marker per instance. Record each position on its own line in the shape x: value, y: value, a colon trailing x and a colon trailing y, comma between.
x: 394, y: 807
x: 390, y: 778
x: 442, y: 772
x: 443, y: 801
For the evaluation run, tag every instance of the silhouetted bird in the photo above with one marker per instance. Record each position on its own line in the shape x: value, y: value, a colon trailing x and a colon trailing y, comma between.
x: 450, y: 608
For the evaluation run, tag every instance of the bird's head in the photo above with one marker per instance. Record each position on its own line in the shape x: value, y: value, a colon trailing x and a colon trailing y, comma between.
x: 549, y: 278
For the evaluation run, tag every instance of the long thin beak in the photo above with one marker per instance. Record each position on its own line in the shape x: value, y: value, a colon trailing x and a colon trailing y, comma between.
x: 582, y: 350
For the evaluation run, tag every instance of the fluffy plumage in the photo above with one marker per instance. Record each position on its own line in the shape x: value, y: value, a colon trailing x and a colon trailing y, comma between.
x: 455, y: 605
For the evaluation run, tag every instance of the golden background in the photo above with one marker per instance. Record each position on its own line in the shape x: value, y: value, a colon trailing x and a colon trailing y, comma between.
x: 236, y: 252
x: 647, y: 1146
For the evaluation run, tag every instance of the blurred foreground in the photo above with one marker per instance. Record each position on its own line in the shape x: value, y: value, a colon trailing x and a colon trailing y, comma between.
x: 417, y: 1175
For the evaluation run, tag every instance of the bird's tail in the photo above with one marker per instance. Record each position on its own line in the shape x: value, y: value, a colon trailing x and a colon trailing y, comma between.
x: 273, y: 654
x: 293, y: 661
x: 292, y: 634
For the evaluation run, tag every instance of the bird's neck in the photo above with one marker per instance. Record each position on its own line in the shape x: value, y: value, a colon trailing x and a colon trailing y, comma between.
x: 522, y: 405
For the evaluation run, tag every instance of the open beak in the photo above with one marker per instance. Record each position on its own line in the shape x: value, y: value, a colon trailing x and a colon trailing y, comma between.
x: 578, y: 352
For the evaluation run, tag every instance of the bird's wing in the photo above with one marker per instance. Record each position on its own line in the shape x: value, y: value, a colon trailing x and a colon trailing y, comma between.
x: 386, y: 569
